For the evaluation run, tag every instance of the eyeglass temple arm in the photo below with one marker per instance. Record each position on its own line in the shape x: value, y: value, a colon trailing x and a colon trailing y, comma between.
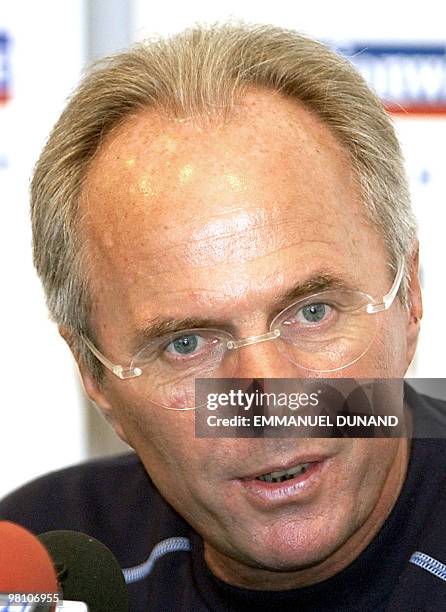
x: 118, y: 370
x: 390, y: 296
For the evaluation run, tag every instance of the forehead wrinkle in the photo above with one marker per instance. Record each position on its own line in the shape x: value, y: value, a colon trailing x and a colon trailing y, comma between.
x: 242, y: 290
x: 176, y: 255
x: 234, y: 247
x: 208, y: 259
x: 206, y: 231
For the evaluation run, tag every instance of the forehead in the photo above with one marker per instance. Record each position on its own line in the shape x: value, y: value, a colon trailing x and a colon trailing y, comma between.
x: 173, y: 200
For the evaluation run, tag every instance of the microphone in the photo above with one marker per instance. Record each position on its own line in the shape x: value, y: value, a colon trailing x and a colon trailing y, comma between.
x: 87, y: 571
x: 27, y: 575
x: 65, y: 568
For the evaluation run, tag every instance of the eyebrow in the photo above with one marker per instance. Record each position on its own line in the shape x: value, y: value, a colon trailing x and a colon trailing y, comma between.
x: 160, y: 326
x: 315, y: 284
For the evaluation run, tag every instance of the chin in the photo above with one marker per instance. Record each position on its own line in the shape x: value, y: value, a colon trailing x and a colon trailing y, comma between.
x: 287, y: 549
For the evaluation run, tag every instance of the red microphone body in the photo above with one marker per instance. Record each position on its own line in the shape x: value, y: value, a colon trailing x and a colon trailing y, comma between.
x: 27, y: 574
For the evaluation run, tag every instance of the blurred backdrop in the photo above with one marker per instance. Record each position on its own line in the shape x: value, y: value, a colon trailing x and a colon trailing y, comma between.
x: 45, y: 421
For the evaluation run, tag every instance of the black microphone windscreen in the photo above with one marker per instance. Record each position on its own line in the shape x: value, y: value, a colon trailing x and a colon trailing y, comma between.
x: 87, y: 571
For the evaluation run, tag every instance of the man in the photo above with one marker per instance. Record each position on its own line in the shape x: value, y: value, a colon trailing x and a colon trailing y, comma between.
x: 193, y: 190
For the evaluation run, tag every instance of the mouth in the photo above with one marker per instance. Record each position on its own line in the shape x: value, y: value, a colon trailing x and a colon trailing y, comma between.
x: 298, y: 479
x: 287, y: 471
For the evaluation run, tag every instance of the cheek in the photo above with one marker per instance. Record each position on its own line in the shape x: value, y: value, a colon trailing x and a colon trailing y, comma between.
x: 160, y: 438
x: 174, y: 458
x: 164, y: 440
x: 386, y: 356
x: 359, y: 486
x: 150, y: 429
x: 369, y: 463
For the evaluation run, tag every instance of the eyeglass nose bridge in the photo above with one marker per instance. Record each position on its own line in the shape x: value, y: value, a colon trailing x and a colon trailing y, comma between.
x: 235, y: 344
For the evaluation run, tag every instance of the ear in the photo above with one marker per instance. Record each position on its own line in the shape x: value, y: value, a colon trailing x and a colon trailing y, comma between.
x: 95, y: 390
x: 415, y: 305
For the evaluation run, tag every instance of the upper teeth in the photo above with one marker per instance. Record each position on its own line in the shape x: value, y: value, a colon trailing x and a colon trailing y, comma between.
x: 284, y: 474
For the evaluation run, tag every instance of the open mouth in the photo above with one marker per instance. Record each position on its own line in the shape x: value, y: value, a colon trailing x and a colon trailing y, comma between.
x: 295, y: 481
x: 287, y: 474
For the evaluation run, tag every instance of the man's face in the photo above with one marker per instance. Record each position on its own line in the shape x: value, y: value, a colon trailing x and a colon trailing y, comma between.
x: 217, y: 223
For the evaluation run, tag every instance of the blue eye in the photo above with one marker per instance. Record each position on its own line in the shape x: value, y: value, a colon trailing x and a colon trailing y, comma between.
x: 313, y: 313
x: 183, y: 345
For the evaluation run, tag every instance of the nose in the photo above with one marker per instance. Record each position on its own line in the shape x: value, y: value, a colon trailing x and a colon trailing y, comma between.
x: 265, y: 360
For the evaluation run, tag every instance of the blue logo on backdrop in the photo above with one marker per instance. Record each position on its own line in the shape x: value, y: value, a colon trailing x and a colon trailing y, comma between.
x: 407, y: 78
x: 5, y: 66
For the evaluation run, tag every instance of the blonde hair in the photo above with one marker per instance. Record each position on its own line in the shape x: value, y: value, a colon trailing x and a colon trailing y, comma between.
x: 200, y: 73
